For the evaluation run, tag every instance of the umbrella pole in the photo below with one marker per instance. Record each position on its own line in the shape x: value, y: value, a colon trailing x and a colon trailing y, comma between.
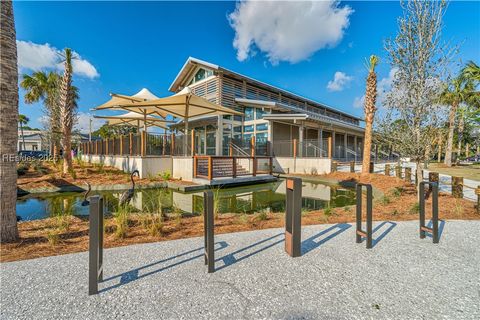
x: 186, y: 129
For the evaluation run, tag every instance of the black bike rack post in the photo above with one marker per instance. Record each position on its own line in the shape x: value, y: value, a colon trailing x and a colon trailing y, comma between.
x: 208, y: 230
x: 423, y: 228
x: 95, y: 245
x: 361, y: 233
x: 293, y: 217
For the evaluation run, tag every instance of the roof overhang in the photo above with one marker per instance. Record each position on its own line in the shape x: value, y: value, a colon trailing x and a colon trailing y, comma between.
x: 187, y: 70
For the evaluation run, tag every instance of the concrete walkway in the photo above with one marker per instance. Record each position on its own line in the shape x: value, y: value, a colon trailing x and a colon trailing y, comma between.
x: 445, y: 180
x: 402, y: 277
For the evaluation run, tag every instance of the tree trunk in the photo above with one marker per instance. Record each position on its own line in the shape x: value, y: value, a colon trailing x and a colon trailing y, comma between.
x: 419, y: 173
x: 367, y: 146
x: 8, y: 124
x: 67, y: 151
x: 439, y: 156
x: 23, y: 136
x: 451, y: 128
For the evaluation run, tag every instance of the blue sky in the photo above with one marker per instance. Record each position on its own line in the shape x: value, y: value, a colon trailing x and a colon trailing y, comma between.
x: 126, y: 46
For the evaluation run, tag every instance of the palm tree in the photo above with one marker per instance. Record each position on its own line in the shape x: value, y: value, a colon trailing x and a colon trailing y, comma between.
x: 458, y: 92
x: 67, y: 112
x: 22, y: 119
x: 8, y: 123
x: 44, y: 86
x: 369, y: 109
x: 471, y: 72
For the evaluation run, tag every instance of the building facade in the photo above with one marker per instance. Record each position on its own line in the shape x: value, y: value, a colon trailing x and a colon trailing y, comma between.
x: 278, y: 122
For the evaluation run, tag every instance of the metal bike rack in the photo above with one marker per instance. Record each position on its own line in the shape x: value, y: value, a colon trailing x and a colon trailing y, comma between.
x: 423, y: 228
x: 95, y: 244
x: 293, y: 217
x: 208, y: 230
x: 361, y: 233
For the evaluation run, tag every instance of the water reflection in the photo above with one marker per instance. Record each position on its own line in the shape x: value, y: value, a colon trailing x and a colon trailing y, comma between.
x: 246, y: 199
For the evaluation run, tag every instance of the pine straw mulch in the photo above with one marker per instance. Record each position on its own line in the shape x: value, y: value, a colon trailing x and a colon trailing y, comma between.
x: 399, y: 203
x: 47, y: 174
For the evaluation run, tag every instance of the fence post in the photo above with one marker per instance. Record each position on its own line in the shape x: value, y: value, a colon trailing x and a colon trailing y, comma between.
x: 252, y: 146
x: 106, y: 146
x: 477, y: 192
x: 352, y: 166
x: 114, y: 144
x: 270, y: 163
x: 164, y: 143
x: 254, y: 169
x: 121, y: 145
x: 294, y: 148
x: 293, y: 217
x: 234, y: 167
x: 230, y: 149
x: 398, y: 171
x: 192, y: 143
x: 408, y: 174
x: 369, y: 217
x: 457, y: 187
x: 95, y: 244
x: 330, y: 147
x: 210, y: 168
x: 143, y: 142
x: 88, y: 148
x: 387, y: 169
x: 172, y: 145
x: 96, y: 147
x: 421, y: 198
x: 208, y: 230
x: 372, y: 166
x: 334, y: 166
x: 130, y: 144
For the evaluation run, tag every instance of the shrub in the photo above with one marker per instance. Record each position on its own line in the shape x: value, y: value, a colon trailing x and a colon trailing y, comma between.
x: 415, y: 208
x: 262, y: 216
x: 397, y: 192
x: 328, y: 211
x: 165, y: 175
x: 53, y: 237
x: 120, y: 219
x: 385, y: 200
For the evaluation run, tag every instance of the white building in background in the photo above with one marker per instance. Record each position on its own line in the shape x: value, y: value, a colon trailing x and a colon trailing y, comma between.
x: 34, y: 140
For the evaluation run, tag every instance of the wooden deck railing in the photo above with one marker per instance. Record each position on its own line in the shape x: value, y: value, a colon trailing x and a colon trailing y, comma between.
x: 211, y: 167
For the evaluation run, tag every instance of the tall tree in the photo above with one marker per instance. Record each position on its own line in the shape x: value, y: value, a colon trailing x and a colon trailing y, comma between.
x: 458, y: 92
x: 421, y: 61
x: 22, y: 120
x: 369, y: 109
x: 8, y: 124
x: 471, y: 72
x: 68, y: 106
x: 45, y: 86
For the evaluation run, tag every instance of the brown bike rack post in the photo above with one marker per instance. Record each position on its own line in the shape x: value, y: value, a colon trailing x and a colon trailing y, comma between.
x: 208, y: 230
x: 95, y: 244
x: 293, y: 217
x: 423, y: 228
x: 361, y: 233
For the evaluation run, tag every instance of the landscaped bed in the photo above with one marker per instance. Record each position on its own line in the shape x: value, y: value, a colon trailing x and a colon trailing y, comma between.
x: 46, y: 176
x: 69, y: 234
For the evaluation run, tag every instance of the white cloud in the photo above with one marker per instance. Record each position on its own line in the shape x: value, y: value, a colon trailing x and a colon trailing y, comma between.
x: 36, y: 57
x: 340, y: 80
x: 83, y: 122
x: 287, y: 31
x: 359, y: 102
x: 383, y: 86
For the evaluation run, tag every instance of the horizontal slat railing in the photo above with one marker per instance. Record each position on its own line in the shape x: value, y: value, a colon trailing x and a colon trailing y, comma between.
x: 212, y: 167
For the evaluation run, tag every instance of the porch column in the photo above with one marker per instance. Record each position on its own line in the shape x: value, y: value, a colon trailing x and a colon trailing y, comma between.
x: 300, y: 139
x: 345, y: 144
x: 219, y: 136
x: 270, y: 138
x: 355, y: 147
x: 334, y: 145
x: 320, y: 141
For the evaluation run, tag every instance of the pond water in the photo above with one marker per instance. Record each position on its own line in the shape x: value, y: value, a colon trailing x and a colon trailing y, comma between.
x: 245, y: 199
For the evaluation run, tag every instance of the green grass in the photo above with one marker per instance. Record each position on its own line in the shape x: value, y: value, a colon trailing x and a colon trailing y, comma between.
x: 471, y: 171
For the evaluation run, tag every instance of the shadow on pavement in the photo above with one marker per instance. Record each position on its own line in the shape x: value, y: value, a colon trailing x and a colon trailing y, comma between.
x: 441, y: 225
x: 310, y: 243
x: 230, y: 259
x: 133, y: 274
x: 376, y: 240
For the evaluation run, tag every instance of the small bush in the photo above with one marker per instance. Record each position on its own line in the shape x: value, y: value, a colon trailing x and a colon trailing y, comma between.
x: 385, y: 200
x: 165, y: 175
x: 395, y: 213
x: 415, y: 208
x: 120, y: 220
x: 262, y: 216
x: 397, y: 192
x: 53, y: 237
x: 347, y: 209
x: 328, y: 211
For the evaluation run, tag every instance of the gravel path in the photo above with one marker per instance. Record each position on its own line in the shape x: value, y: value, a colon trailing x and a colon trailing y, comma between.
x: 402, y: 277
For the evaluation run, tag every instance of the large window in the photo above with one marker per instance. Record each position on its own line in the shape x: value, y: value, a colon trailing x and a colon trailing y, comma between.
x: 260, y: 114
x: 249, y: 113
x: 200, y: 75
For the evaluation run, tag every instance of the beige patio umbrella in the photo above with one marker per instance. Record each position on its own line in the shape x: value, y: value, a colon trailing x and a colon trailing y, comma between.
x: 135, y: 119
x: 118, y: 100
x: 183, y: 104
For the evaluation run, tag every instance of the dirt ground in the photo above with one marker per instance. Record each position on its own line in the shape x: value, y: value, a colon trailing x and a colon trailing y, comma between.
x: 44, y: 238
